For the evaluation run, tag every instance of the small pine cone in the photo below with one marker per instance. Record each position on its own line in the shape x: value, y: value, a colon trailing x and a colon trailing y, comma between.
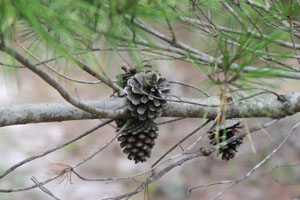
x: 138, y: 138
x: 141, y: 90
x: 128, y: 73
x: 226, y: 130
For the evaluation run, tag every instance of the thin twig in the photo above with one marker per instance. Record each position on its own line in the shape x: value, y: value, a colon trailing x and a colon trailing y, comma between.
x: 171, y: 29
x: 286, y: 165
x: 228, y: 141
x: 43, y: 188
x: 51, y: 68
x: 12, y: 66
x: 19, y: 164
x: 293, y: 42
x: 203, y: 152
x: 187, y: 150
x: 257, y: 166
x: 66, y: 169
x: 170, y: 121
x: 239, y: 32
x: 265, y: 7
x: 56, y: 85
x: 102, y: 147
x: 10, y: 190
x: 158, y: 175
x: 191, y: 86
x: 178, y: 143
x: 101, y: 77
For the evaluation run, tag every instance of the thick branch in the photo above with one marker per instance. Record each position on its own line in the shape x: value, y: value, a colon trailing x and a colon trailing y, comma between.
x: 116, y: 108
x: 57, y: 112
x: 56, y: 85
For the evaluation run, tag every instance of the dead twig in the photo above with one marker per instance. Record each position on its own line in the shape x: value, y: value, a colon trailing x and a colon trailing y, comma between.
x: 43, y: 188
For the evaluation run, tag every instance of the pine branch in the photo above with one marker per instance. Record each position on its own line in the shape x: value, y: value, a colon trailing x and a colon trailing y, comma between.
x: 182, y: 48
x: 116, y: 108
x: 56, y: 85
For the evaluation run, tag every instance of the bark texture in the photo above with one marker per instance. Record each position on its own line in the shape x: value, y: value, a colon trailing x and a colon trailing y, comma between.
x: 116, y: 108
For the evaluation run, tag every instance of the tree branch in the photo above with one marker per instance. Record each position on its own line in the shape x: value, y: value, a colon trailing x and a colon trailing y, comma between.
x: 57, y: 112
x: 116, y: 108
x: 178, y: 46
x: 56, y: 85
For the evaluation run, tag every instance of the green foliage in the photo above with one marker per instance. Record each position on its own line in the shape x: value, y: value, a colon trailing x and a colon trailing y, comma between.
x: 74, y: 29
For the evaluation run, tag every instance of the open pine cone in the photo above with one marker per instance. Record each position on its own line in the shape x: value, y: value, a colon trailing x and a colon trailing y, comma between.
x: 146, y: 95
x: 226, y: 130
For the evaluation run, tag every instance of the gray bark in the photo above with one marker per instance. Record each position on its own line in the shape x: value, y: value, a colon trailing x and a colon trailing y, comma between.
x: 116, y: 108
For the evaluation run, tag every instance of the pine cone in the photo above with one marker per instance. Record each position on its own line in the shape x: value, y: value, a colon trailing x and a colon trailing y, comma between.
x: 138, y: 138
x: 141, y: 92
x: 128, y: 73
x: 226, y: 130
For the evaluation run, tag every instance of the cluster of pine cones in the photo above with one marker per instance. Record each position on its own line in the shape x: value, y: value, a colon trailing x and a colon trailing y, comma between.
x: 224, y: 131
x: 146, y: 94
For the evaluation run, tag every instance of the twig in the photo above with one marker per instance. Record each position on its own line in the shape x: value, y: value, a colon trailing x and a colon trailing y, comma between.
x: 102, y: 147
x: 177, y: 43
x: 178, y: 143
x: 63, y: 92
x: 191, y: 86
x: 170, y: 121
x: 114, y: 179
x: 265, y: 7
x: 207, y: 18
x: 39, y: 185
x: 293, y: 42
x: 171, y: 29
x: 258, y: 165
x: 210, y: 184
x: 159, y: 174
x: 203, y: 151
x: 287, y: 165
x: 201, y: 136
x: 10, y: 190
x: 222, y: 144
x: 66, y: 169
x: 51, y: 68
x: 232, y: 11
x: 19, y: 164
x: 207, y: 58
x: 239, y: 32
x: 287, y: 184
x: 12, y: 66
x: 101, y: 77
x: 243, y: 133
